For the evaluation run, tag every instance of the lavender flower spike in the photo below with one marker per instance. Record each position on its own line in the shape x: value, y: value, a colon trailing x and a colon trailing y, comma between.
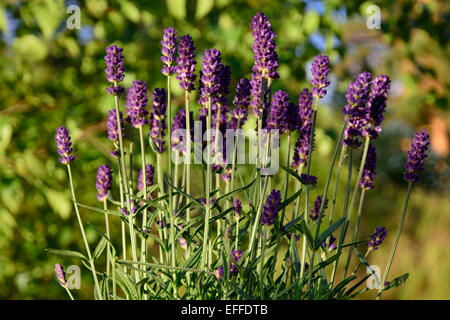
x: 169, y: 43
x: 369, y: 169
x: 158, y: 118
x: 149, y: 174
x: 320, y: 69
x: 60, y: 274
x: 186, y: 63
x: 241, y: 102
x: 113, y: 128
x: 237, y: 208
x: 356, y: 109
x: 305, y: 123
x: 278, y: 111
x: 416, y: 156
x: 316, y: 210
x: 377, y: 105
x: 271, y: 208
x: 264, y: 47
x: 104, y: 182
x: 114, y: 69
x: 377, y: 238
x: 64, y: 144
x: 209, y: 75
x: 136, y: 104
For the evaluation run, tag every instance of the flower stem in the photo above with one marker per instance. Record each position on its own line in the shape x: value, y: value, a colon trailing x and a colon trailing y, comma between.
x: 355, y: 192
x: 188, y: 163
x: 108, y: 246
x: 86, y: 244
x: 397, y: 238
x: 172, y: 218
x: 144, y: 190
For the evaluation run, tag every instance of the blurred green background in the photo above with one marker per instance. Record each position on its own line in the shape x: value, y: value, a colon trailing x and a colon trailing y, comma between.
x: 51, y: 75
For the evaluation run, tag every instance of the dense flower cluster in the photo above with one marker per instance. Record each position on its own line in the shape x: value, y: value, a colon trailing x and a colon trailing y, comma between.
x: 236, y: 254
x: 264, y: 47
x: 210, y: 75
x: 114, y: 69
x: 169, y: 43
x: 320, y: 69
x: 186, y: 63
x: 271, y: 208
x: 149, y: 175
x: 356, y: 109
x: 369, y: 169
x: 316, y: 210
x: 136, y: 105
x: 308, y: 179
x: 377, y: 238
x: 112, y: 127
x: 376, y: 105
x: 104, y: 182
x: 64, y: 145
x: 158, y: 118
x: 416, y: 156
x: 241, y: 102
x: 304, y: 128
x: 278, y: 110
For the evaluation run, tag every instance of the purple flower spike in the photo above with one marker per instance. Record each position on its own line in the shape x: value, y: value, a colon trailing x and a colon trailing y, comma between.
x: 271, y: 208
x: 186, y: 63
x: 377, y: 238
x: 237, y: 208
x: 104, y: 182
x: 416, y: 156
x: 64, y: 144
x: 377, y: 105
x: 320, y: 69
x: 264, y: 47
x: 60, y: 274
x: 278, y: 111
x: 308, y: 180
x: 241, y: 102
x: 236, y: 254
x: 305, y: 123
x: 179, y: 123
x: 158, y: 118
x: 255, y: 91
x: 113, y: 128
x: 136, y: 104
x: 149, y: 174
x: 209, y: 75
x: 356, y: 109
x: 369, y: 169
x: 316, y: 210
x: 114, y: 64
x: 169, y: 43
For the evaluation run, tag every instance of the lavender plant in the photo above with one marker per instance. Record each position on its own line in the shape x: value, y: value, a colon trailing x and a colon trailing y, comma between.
x: 243, y: 239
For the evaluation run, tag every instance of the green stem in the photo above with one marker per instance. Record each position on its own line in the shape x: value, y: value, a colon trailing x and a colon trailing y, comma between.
x: 188, y: 164
x: 261, y: 274
x: 397, y: 238
x: 108, y: 245
x: 355, y: 192
x: 144, y: 190
x: 172, y: 218
x: 341, y: 235
x: 68, y: 292
x: 86, y: 244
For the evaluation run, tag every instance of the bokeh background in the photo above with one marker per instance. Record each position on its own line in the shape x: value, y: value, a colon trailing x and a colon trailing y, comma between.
x: 51, y: 75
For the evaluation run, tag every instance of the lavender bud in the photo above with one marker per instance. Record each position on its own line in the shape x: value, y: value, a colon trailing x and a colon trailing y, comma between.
x: 369, y: 169
x: 113, y: 128
x: 264, y: 47
x: 136, y: 104
x: 60, y: 274
x: 301, y: 149
x: 416, y: 156
x: 237, y: 208
x: 377, y: 238
x: 186, y: 63
x: 320, y: 69
x: 158, y: 118
x: 104, y: 182
x: 114, y: 64
x: 377, y: 105
x: 169, y: 43
x: 278, y: 111
x: 271, y: 208
x: 316, y: 210
x: 308, y: 180
x: 63, y: 145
